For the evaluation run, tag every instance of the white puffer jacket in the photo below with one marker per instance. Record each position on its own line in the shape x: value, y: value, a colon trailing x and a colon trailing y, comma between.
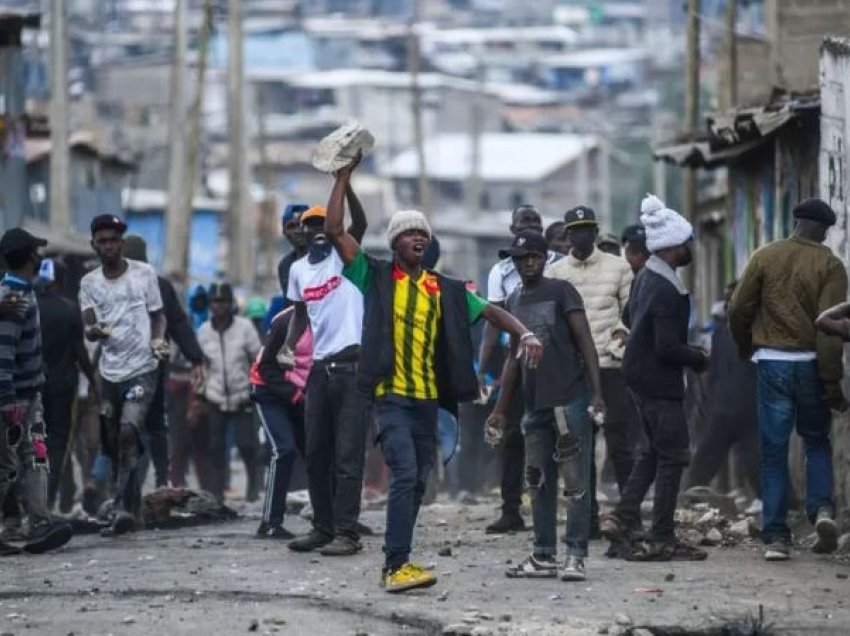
x: 604, y: 282
x: 228, y: 357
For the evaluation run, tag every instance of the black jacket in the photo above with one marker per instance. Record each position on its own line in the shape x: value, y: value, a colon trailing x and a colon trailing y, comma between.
x: 178, y: 328
x: 454, y: 355
x: 657, y: 351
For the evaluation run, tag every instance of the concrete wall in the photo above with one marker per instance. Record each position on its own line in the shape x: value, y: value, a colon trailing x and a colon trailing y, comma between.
x: 796, y: 28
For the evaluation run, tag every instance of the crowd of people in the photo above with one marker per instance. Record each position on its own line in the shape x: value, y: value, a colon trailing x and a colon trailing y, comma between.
x: 582, y: 331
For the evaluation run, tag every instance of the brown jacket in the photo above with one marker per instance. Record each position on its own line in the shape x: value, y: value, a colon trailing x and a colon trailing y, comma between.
x: 784, y: 288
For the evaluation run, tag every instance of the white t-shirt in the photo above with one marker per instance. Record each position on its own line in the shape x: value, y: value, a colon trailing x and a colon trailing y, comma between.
x: 123, y: 304
x: 334, y: 304
x: 504, y: 278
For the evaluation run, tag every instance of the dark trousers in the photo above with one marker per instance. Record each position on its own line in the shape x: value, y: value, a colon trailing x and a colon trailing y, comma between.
x: 283, y: 423
x: 661, y: 459
x: 123, y: 406
x: 513, y: 458
x: 156, y: 429
x: 189, y: 435
x: 247, y: 441
x: 407, y: 433
x: 726, y: 432
x: 335, y: 423
x: 58, y: 418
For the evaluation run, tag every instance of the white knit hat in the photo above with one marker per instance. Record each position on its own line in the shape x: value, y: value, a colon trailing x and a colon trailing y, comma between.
x: 405, y: 220
x: 664, y: 227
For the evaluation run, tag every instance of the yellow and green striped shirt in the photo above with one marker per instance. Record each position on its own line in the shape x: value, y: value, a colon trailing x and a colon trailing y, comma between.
x: 416, y: 321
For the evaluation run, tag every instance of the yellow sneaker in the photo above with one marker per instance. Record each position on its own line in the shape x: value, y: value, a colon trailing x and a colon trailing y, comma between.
x: 408, y: 577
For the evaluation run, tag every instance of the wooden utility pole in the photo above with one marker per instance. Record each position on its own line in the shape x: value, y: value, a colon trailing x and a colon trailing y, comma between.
x: 178, y: 219
x: 473, y: 185
x: 732, y: 52
x: 692, y: 101
x: 60, y: 186
x: 270, y: 232
x: 241, y: 213
x: 413, y: 64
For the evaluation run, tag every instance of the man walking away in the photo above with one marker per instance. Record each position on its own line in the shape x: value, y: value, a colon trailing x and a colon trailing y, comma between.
x: 23, y: 450
x: 656, y: 355
x: 784, y: 288
x: 420, y: 358
x: 335, y: 413
x: 179, y: 331
x: 65, y: 356
x: 278, y: 396
x: 557, y: 425
x: 603, y: 281
x: 230, y: 345
x: 501, y: 282
x: 122, y: 309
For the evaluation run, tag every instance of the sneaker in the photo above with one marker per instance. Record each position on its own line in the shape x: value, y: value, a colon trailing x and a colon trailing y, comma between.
x: 408, y: 577
x: 48, y: 536
x: 508, y: 522
x: 122, y: 524
x: 534, y: 567
x: 341, y: 546
x: 573, y: 569
x: 827, y: 531
x: 777, y: 551
x: 312, y: 541
x: 265, y: 531
x: 8, y: 550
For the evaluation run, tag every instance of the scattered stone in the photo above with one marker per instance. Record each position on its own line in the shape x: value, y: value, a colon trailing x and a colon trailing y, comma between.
x: 129, y: 620
x: 445, y: 551
x: 556, y: 597
x: 709, y: 517
x: 442, y: 596
x: 641, y: 632
x: 622, y: 619
x: 841, y: 575
x: 844, y: 544
x: 506, y: 618
x: 457, y: 630
x: 669, y: 577
x: 442, y: 522
x: 743, y: 528
x: 693, y: 536
x: 254, y: 625
x: 603, y: 630
x: 713, y: 537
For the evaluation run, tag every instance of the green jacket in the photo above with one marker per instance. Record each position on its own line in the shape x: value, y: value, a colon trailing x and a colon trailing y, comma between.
x: 784, y: 288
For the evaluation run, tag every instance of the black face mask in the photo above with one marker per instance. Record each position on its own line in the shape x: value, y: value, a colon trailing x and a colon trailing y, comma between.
x: 318, y: 249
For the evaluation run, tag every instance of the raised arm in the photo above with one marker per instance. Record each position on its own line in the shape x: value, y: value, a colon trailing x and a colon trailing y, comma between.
x: 347, y: 246
x: 358, y: 226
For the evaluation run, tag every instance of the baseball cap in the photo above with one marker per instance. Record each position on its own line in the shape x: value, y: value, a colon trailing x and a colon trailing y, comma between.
x: 314, y: 212
x: 580, y: 216
x: 221, y: 291
x: 18, y: 240
x: 633, y: 233
x: 527, y: 242
x: 107, y: 222
x: 292, y: 211
x: 608, y: 239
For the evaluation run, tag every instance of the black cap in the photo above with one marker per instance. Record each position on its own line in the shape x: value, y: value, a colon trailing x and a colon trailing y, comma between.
x: 634, y: 233
x: 815, y: 210
x: 221, y: 291
x: 526, y: 242
x: 580, y: 216
x: 107, y: 222
x: 608, y: 239
x: 19, y: 240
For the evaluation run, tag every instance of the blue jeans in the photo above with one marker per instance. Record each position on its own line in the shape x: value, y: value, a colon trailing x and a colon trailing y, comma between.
x: 541, y: 473
x: 789, y: 394
x: 407, y: 432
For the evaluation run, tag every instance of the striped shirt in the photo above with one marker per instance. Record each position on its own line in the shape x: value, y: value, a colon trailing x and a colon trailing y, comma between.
x: 21, y: 366
x: 416, y: 324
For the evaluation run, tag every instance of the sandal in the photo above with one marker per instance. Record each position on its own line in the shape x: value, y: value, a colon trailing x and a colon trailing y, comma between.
x: 673, y: 551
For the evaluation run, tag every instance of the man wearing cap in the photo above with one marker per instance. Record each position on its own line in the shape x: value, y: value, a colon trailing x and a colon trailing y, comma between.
x: 656, y: 355
x: 609, y: 244
x: 634, y: 247
x: 291, y: 222
x: 23, y: 447
x: 559, y: 395
x: 335, y: 415
x: 230, y: 344
x: 122, y: 310
x: 784, y: 288
x: 501, y: 282
x: 603, y: 281
x: 418, y: 357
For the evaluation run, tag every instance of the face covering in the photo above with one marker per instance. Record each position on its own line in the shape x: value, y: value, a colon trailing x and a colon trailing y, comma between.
x: 319, y: 248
